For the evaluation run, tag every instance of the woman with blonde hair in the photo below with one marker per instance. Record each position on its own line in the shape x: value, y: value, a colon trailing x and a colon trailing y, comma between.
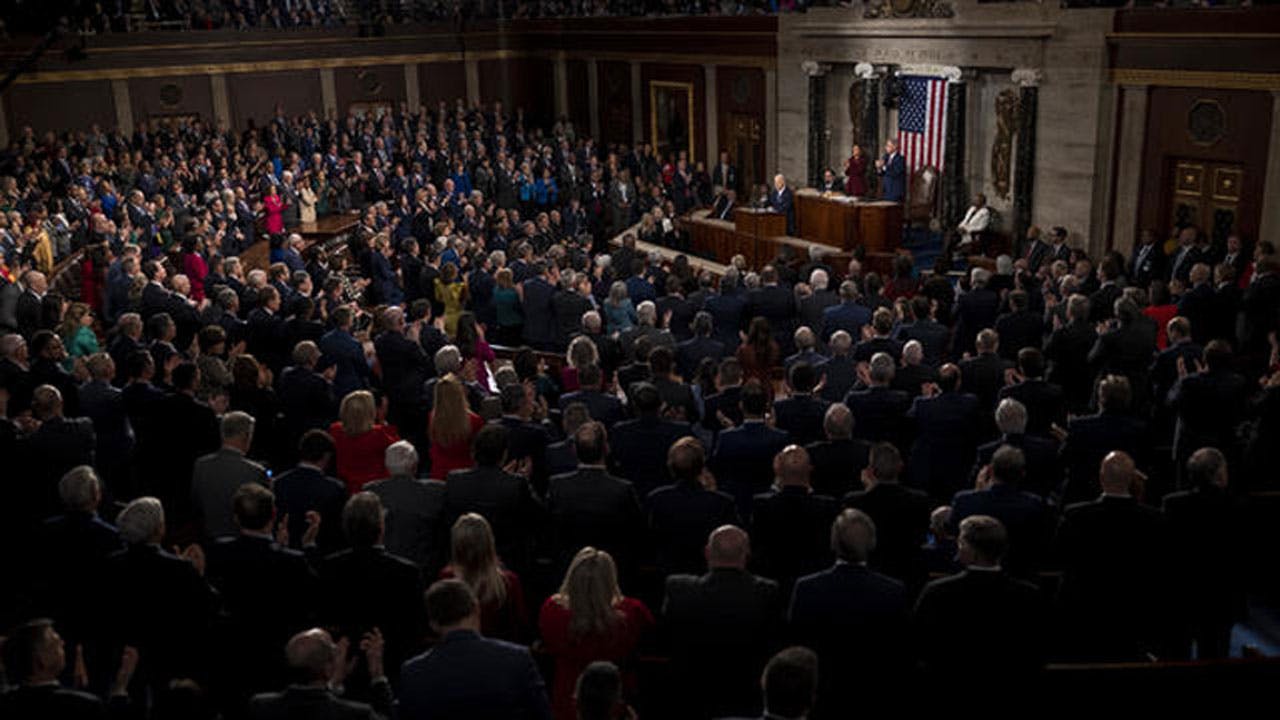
x: 474, y: 560
x: 361, y: 438
x: 589, y: 620
x: 582, y: 352
x: 451, y: 427
x: 619, y: 313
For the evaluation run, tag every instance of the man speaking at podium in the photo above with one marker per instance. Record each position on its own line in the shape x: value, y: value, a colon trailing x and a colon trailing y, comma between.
x: 782, y: 201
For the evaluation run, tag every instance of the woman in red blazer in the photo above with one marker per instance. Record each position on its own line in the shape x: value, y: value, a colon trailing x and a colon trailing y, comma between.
x: 361, y: 440
x: 590, y: 620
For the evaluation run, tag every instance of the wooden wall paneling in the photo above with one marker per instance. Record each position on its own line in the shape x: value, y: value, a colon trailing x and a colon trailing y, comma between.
x: 691, y: 74
x: 740, y: 92
x: 254, y: 96
x: 171, y: 96
x: 615, y: 102
x: 579, y: 100
x: 1244, y: 141
x: 369, y: 85
x: 445, y: 81
x: 45, y: 107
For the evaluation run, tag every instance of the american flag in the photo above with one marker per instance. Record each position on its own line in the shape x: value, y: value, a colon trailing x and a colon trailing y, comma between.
x: 922, y: 121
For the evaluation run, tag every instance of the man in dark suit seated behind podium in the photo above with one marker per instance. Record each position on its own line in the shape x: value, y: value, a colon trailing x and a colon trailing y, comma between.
x: 724, y: 205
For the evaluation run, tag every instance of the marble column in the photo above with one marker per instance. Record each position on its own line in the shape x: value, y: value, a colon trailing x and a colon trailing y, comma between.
x: 1024, y: 163
x: 221, y: 101
x: 817, y: 134
x: 771, y: 122
x: 412, y: 90
x: 955, y: 190
x: 124, y: 107
x: 561, y: 85
x: 638, y: 130
x: 472, y: 71
x: 593, y: 98
x: 869, y: 123
x: 1269, y: 227
x: 709, y: 153
x: 328, y: 93
x: 1133, y: 128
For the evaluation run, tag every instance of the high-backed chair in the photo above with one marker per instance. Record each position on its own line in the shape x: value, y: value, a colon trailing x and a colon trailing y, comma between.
x: 924, y: 195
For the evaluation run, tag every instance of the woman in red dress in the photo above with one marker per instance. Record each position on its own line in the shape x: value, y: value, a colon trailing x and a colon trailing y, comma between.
x: 590, y: 620
x: 475, y: 562
x: 451, y: 428
x: 1161, y: 309
x: 194, y: 266
x: 855, y: 173
x: 361, y: 441
x: 273, y: 205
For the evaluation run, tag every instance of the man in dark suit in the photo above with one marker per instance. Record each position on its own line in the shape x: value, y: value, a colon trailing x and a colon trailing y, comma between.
x: 572, y: 300
x: 35, y: 657
x: 1113, y: 550
x: 1187, y: 254
x: 683, y: 514
x: 840, y: 370
x: 690, y: 353
x: 603, y: 407
x: 723, y: 409
x: 879, y: 411
x: 352, y: 368
x: 591, y: 507
x: 405, y: 367
x: 1045, y: 402
x: 264, y: 332
x: 1044, y: 473
x: 849, y: 315
x: 1102, y: 300
x: 305, y: 392
x: 1025, y: 516
x: 27, y: 312
x: 725, y: 173
x: 892, y: 168
x: 801, y: 414
x: 59, y: 444
x: 216, y: 477
x: 160, y: 602
x: 640, y: 445
x: 721, y: 628
x: 913, y: 376
x: 1209, y: 399
x: 946, y: 420
x: 782, y: 200
x: 539, y: 311
x: 806, y: 350
x: 103, y: 404
x: 839, y: 459
x: 743, y: 456
x: 1196, y: 303
x: 1020, y: 327
x: 1090, y: 438
x: 813, y: 305
x: 790, y: 522
x: 1067, y: 352
x: 984, y: 374
x: 1126, y: 348
x: 901, y: 515
x: 677, y: 397
x: 503, y: 498
x: 728, y: 308
x: 774, y: 303
x: 415, y: 508
x: 251, y: 562
x: 982, y: 618
x: 1205, y: 527
x: 1257, y: 319
x: 932, y: 335
x: 316, y: 660
x: 881, y: 340
x: 465, y: 674
x: 974, y: 311
x: 854, y: 618
x: 308, y: 489
x: 1148, y: 261
x: 365, y: 587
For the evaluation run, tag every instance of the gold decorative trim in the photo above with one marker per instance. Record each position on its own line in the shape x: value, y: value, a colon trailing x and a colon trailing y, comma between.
x: 36, y: 78
x: 1197, y: 78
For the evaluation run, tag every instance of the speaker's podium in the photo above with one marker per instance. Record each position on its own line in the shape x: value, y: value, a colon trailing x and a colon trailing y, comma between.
x: 759, y: 222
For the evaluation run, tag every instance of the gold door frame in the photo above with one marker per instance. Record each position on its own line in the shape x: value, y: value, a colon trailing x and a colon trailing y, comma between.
x: 654, y: 85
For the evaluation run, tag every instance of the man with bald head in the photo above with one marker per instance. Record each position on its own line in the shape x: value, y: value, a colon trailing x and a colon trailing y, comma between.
x: 1113, y: 552
x: 853, y: 617
x: 721, y: 627
x: 946, y: 421
x: 789, y: 521
x: 913, y: 374
x: 28, y: 309
x: 782, y: 200
x: 319, y: 664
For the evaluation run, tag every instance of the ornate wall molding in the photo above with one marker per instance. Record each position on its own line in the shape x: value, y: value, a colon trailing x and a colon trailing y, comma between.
x: 950, y: 72
x: 864, y: 71
x: 1026, y: 77
x: 813, y: 68
x: 881, y: 9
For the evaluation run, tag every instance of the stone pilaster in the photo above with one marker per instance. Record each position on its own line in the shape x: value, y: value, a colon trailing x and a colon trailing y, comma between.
x: 328, y: 93
x: 1269, y: 227
x: 1024, y: 163
x: 638, y: 127
x: 471, y: 69
x: 412, y: 91
x: 955, y: 190
x: 123, y: 105
x: 593, y: 98
x: 817, y: 74
x: 710, y: 153
x: 1133, y: 129
x: 221, y: 101
x: 561, y: 85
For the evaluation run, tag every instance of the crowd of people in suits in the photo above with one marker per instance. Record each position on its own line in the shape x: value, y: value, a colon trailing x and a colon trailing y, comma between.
x: 315, y: 489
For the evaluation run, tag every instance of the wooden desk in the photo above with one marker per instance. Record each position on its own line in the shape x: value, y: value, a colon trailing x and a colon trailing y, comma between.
x: 827, y: 220
x: 759, y: 223
x: 880, y: 226
x: 327, y: 227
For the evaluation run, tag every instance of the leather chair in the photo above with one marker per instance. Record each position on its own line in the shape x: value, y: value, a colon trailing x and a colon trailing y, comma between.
x: 923, y: 195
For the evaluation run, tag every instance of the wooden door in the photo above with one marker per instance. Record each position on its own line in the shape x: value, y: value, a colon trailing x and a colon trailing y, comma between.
x: 1206, y: 195
x: 745, y: 142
